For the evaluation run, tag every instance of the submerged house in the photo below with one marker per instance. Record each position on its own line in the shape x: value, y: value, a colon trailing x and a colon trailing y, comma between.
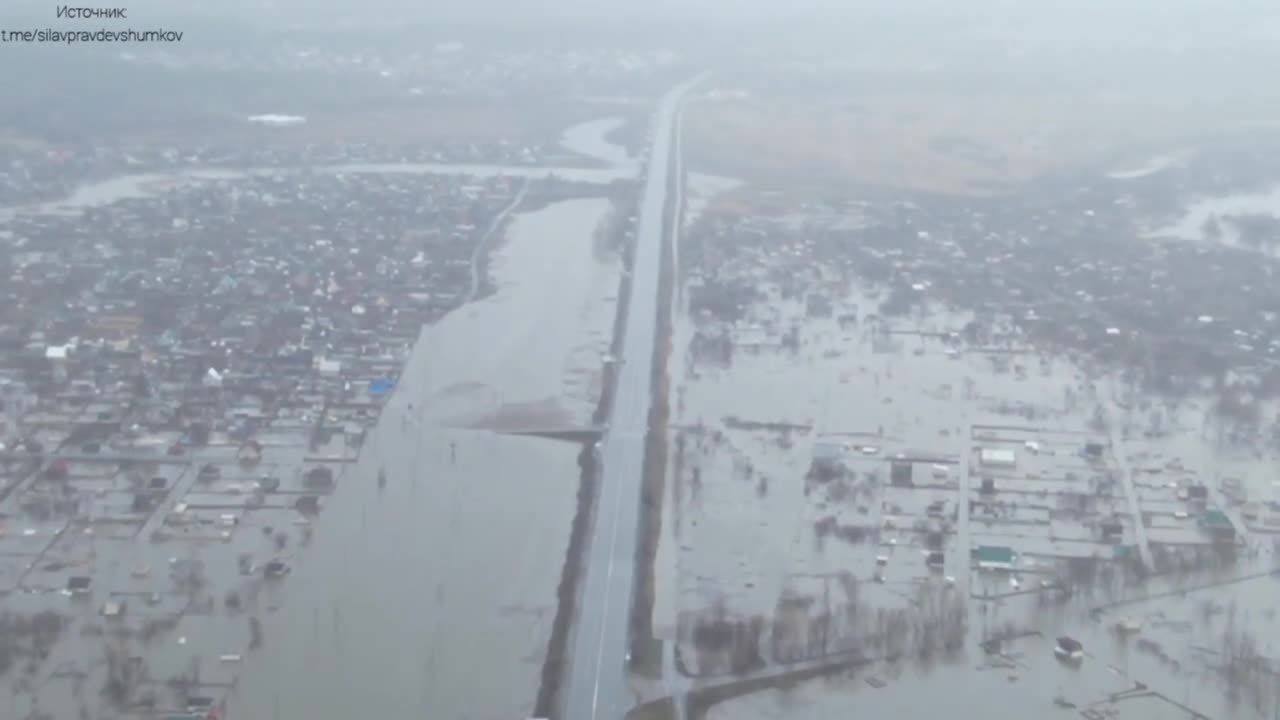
x: 250, y: 452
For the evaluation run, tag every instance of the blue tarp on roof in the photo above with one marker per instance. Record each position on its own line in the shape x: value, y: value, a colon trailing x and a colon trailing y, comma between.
x: 381, y: 386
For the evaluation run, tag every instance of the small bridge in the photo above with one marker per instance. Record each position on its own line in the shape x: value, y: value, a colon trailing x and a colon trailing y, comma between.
x: 582, y: 434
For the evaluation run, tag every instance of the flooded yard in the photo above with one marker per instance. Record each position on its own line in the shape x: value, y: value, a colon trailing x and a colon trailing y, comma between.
x: 851, y: 481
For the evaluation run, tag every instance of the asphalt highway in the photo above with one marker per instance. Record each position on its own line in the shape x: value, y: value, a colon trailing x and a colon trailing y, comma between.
x: 597, y: 686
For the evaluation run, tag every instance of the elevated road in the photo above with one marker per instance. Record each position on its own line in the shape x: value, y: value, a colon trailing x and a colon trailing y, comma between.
x: 597, y: 685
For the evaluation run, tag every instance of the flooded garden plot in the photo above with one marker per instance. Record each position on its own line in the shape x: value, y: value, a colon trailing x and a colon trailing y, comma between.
x: 1002, y: 684
x: 1203, y: 479
x: 851, y: 461
x: 852, y: 452
x: 1211, y: 637
x: 1045, y: 505
x: 140, y: 580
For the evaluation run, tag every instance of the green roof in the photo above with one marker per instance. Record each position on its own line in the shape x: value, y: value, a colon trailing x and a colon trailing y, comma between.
x: 1215, y: 519
x: 994, y: 554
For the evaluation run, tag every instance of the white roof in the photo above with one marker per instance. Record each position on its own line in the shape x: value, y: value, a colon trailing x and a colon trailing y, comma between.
x: 997, y: 456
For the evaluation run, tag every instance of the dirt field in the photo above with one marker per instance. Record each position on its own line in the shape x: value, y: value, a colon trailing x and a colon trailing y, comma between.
x: 934, y: 141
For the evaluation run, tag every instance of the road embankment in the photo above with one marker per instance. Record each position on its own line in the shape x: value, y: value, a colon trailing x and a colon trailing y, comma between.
x: 555, y: 666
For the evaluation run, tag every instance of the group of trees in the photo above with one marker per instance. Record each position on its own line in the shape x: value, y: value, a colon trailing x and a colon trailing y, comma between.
x: 934, y: 622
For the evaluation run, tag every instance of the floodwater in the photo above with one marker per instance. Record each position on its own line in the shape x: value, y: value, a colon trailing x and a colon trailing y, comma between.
x: 1151, y: 167
x: 433, y: 596
x: 742, y: 532
x: 1192, y: 224
x: 586, y: 139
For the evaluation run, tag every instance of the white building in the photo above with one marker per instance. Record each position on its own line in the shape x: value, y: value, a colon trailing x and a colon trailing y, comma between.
x: 998, y: 457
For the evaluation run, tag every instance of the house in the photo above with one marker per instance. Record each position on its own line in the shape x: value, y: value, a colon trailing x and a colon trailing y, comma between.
x: 78, y: 585
x: 900, y: 473
x: 319, y: 478
x: 329, y: 368
x: 208, y: 473
x: 827, y: 452
x: 998, y: 457
x: 1218, y: 525
x: 58, y: 470
x: 250, y: 452
x: 1111, y: 529
x: 994, y: 557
